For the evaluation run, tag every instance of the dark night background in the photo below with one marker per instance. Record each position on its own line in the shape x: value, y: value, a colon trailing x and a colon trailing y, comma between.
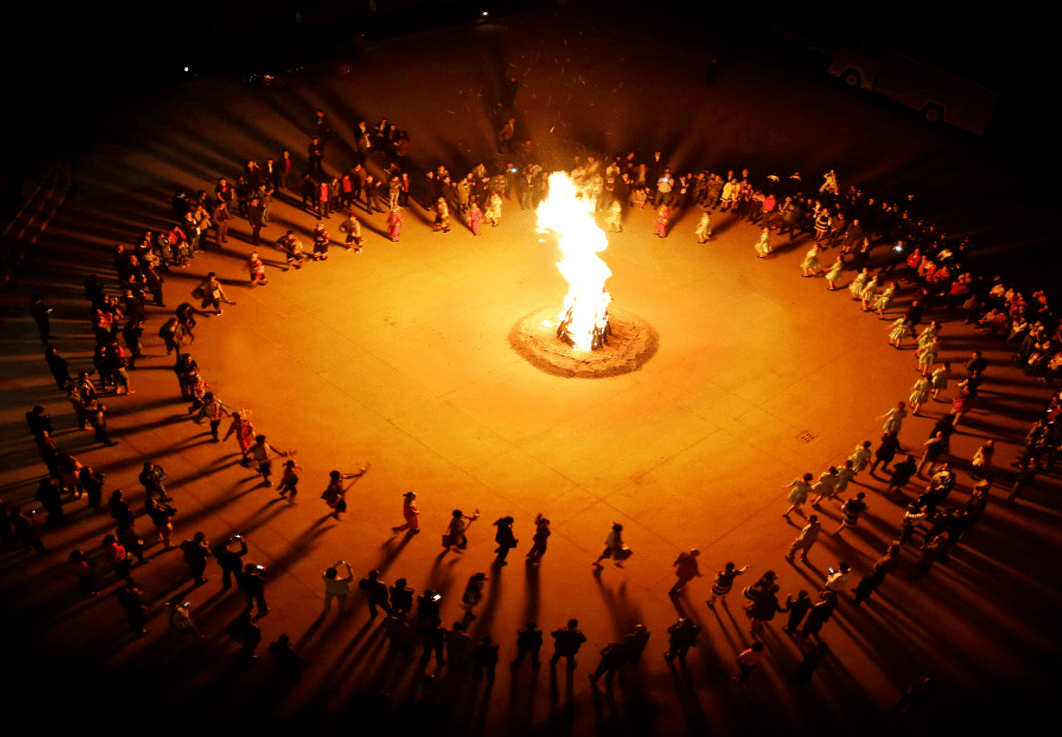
x: 97, y: 54
x: 75, y: 62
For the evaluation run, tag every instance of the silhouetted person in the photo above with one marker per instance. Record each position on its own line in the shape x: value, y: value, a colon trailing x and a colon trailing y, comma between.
x: 566, y: 643
x: 528, y: 640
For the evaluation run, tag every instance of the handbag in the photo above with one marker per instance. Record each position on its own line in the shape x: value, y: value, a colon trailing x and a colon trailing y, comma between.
x: 624, y: 553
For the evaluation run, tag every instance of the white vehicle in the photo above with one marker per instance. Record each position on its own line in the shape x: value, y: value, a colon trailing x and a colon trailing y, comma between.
x: 938, y: 94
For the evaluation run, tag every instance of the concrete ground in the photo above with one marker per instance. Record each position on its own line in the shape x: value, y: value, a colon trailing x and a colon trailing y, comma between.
x: 398, y: 356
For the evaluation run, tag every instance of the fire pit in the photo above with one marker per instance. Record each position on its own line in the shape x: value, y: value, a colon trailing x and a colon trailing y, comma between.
x: 630, y: 344
x: 585, y: 339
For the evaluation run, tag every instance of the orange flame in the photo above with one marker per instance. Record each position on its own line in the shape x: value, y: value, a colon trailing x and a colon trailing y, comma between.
x: 569, y: 212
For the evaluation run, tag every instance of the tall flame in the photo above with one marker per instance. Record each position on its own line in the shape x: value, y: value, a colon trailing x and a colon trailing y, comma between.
x: 569, y: 213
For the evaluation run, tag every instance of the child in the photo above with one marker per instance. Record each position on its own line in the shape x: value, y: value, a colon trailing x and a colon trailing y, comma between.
x: 442, y: 216
x: 475, y: 218
x: 884, y: 299
x: 869, y: 292
x: 810, y: 265
x: 289, y: 481
x: 703, y: 231
x: 939, y: 379
x: 919, y: 394
x: 256, y: 268
x: 763, y: 247
x: 662, y: 217
x: 834, y: 274
x: 859, y: 283
x: 929, y: 356
x: 898, y: 332
x: 394, y: 224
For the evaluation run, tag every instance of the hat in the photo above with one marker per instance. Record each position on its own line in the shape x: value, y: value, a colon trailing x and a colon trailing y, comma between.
x: 410, y: 495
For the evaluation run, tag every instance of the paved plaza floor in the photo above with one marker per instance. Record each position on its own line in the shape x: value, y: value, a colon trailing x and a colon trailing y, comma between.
x: 398, y: 357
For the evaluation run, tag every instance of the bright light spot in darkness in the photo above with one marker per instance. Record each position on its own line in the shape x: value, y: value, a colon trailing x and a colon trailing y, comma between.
x: 571, y: 216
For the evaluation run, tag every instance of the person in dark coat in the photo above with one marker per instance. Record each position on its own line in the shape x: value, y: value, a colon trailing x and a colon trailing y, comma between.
x: 886, y: 565
x: 566, y: 643
x: 196, y: 551
x: 253, y: 585
x: 797, y: 609
x: 686, y: 569
x: 505, y: 539
x: 901, y: 474
x: 118, y: 507
x: 612, y: 659
x: 58, y: 366
x: 401, y: 596
x: 26, y: 531
x: 433, y: 638
x: 682, y: 635
x: 48, y: 495
x: 820, y: 613
x: 91, y: 482
x: 890, y: 444
x: 528, y: 640
x: 39, y: 422
x: 132, y: 600
x: 230, y: 560
x: 541, y: 537
x: 763, y: 609
x: 375, y: 592
x: 41, y: 314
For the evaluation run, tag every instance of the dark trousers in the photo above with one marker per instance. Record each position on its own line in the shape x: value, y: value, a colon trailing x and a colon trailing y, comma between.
x: 521, y: 652
x: 382, y: 604
x: 227, y: 575
x: 121, y: 569
x: 255, y: 598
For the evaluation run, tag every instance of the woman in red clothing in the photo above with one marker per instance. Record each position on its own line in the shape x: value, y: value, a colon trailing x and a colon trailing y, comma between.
x: 244, y: 432
x: 394, y: 224
x: 662, y: 216
x: 475, y: 217
x: 963, y: 402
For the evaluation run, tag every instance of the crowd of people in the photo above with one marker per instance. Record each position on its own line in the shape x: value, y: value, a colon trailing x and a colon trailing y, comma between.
x: 882, y: 244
